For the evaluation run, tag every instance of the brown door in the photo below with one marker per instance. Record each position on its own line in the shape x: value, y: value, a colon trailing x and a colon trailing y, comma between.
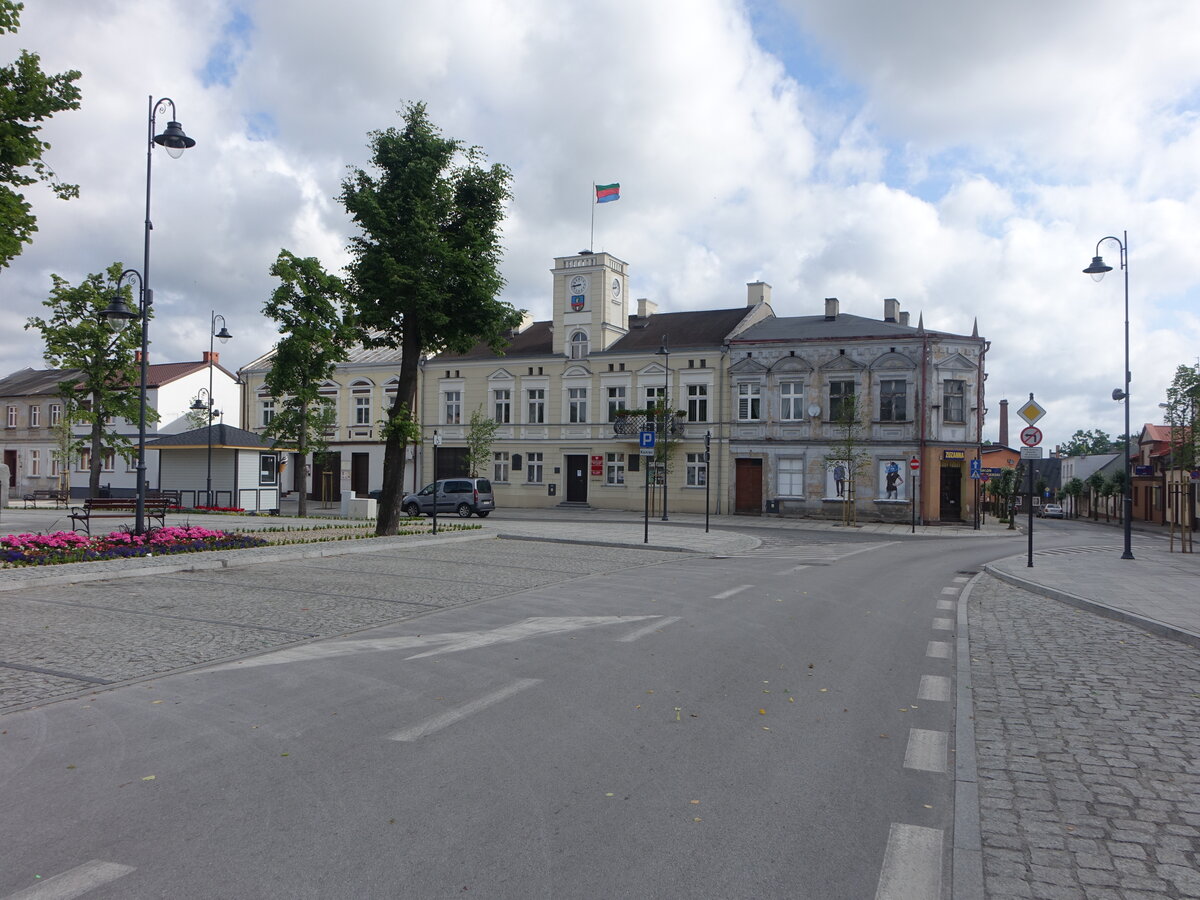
x: 10, y: 460
x: 360, y: 474
x: 748, y: 489
x: 951, y: 495
x: 326, y: 477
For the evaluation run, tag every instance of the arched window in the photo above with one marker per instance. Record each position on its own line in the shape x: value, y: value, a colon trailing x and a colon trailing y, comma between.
x: 579, y: 345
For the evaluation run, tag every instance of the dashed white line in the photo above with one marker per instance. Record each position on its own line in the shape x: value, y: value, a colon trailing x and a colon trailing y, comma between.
x: 796, y: 569
x: 943, y: 624
x: 912, y: 864
x: 437, y: 723
x: 934, y: 687
x: 926, y: 750
x: 945, y: 604
x: 951, y: 590
x: 649, y: 629
x: 73, y: 882
x: 938, y: 650
x: 729, y: 593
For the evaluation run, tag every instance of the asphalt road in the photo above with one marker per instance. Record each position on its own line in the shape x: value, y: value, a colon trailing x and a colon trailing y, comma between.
x: 632, y: 724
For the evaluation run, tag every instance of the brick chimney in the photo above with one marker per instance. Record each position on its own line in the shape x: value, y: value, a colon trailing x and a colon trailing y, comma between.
x: 831, y: 308
x: 903, y: 318
x: 891, y: 310
x: 1004, y: 423
x: 216, y: 357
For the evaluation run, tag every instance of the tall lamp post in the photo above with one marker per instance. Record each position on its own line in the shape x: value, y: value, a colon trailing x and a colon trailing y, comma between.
x: 665, y: 353
x: 204, y: 403
x: 1097, y: 270
x: 223, y: 336
x: 118, y: 313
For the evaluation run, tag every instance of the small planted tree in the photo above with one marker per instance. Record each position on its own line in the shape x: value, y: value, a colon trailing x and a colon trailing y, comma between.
x: 481, y: 434
x: 847, y: 457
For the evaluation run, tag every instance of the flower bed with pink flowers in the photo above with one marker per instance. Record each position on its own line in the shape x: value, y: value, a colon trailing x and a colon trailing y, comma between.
x: 69, y: 547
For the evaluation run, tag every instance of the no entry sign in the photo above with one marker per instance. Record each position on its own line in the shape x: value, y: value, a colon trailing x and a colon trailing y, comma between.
x: 914, y: 464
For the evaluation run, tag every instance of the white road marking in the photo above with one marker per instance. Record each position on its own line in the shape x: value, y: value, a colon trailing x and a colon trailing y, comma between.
x: 454, y: 641
x: 938, y: 650
x: 962, y: 579
x: 912, y: 864
x: 951, y: 590
x: 934, y: 687
x: 73, y: 882
x: 649, y: 629
x: 945, y: 604
x: 729, y: 593
x: 444, y: 720
x: 926, y: 750
x: 796, y: 569
x: 943, y: 624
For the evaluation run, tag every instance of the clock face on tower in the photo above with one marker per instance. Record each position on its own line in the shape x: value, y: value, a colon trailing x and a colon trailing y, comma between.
x: 579, y: 285
x: 616, y: 289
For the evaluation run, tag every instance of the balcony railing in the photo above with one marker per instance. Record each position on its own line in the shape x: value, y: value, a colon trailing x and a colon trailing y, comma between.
x: 630, y: 424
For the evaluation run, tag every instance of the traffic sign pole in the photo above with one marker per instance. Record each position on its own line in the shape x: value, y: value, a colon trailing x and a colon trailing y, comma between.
x: 914, y: 466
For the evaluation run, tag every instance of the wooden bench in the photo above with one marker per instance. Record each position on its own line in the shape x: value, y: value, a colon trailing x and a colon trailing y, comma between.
x: 175, y: 497
x: 123, y: 508
x: 34, y: 497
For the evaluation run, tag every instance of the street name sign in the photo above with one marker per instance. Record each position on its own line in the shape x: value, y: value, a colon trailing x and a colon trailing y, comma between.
x: 1031, y: 453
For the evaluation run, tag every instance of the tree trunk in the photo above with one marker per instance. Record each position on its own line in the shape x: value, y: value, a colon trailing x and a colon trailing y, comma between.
x: 393, y: 454
x: 301, y: 477
x: 97, y: 459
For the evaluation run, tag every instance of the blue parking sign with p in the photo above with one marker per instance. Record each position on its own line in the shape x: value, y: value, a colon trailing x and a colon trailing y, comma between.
x: 646, y: 439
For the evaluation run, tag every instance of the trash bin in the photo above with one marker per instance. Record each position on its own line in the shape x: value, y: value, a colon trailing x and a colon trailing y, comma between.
x: 105, y: 491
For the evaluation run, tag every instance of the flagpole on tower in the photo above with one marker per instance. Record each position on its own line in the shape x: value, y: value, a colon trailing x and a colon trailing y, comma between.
x: 592, y: 235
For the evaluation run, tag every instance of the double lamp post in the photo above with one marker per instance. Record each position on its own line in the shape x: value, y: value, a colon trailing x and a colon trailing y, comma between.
x: 206, y: 404
x: 118, y: 314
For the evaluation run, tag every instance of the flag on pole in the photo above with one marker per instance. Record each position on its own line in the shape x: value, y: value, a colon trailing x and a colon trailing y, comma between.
x: 606, y: 193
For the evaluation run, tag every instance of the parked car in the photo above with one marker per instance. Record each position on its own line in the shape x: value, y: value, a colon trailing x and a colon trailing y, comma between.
x: 1051, y: 511
x: 458, y: 495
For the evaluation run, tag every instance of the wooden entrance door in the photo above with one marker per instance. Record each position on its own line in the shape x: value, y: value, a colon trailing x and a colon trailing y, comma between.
x: 748, y: 487
x: 951, y: 494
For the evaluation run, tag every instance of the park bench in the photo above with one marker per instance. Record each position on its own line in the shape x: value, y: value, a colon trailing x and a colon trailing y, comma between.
x: 34, y: 497
x: 122, y: 508
x: 175, y: 497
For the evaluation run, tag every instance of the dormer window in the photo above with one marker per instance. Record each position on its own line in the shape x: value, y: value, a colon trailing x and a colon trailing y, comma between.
x: 579, y: 345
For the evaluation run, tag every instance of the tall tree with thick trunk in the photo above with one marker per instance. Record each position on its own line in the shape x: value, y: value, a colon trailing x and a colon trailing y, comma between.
x: 310, y: 307
x: 425, y: 270
x: 105, y: 376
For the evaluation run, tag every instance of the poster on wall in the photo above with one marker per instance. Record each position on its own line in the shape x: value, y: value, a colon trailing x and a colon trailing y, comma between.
x: 893, y: 474
x: 837, y: 472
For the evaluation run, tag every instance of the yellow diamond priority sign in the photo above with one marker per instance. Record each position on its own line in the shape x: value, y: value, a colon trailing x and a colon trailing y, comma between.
x: 1031, y: 411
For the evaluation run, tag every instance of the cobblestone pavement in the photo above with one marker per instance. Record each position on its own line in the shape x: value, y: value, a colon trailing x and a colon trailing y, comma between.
x: 58, y: 639
x: 1088, y: 742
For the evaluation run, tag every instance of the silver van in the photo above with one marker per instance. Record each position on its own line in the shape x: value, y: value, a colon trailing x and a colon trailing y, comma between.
x: 458, y: 495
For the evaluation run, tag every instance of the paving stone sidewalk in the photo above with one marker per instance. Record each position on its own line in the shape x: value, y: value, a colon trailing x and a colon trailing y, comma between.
x: 1088, y: 743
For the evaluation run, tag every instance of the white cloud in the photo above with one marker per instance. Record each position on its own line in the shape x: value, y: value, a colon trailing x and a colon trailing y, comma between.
x: 967, y: 164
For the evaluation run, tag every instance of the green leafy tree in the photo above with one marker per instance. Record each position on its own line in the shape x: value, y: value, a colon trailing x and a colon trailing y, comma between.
x: 310, y: 308
x: 105, y: 377
x: 1095, y: 485
x: 1074, y: 490
x: 1183, y: 416
x: 66, y: 445
x: 28, y: 96
x: 426, y: 264
x: 1090, y: 443
x: 847, y: 451
x: 481, y: 434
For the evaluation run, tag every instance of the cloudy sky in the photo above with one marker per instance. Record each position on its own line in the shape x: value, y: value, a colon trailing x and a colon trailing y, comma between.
x: 964, y: 158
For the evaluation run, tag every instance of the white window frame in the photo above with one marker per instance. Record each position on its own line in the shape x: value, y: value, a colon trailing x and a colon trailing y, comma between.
x: 35, y: 463
x: 502, y: 406
x: 836, y: 401
x: 85, y: 460
x: 886, y: 393
x: 35, y: 416
x: 55, y: 413
x: 789, y: 476
x: 697, y: 470
x: 267, y: 408
x: 749, y: 401
x: 577, y: 398
x: 55, y: 466
x: 362, y: 409
x: 11, y: 421
x: 108, y: 460
x: 616, y: 402
x: 452, y: 402
x: 535, y: 408
x: 697, y: 402
x: 500, y: 466
x: 534, y: 463
x: 791, y: 400
x: 614, y: 469
x: 579, y: 345
x: 653, y: 394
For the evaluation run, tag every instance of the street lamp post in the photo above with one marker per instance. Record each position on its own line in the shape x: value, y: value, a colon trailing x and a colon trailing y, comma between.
x: 665, y: 353
x: 223, y: 336
x: 118, y: 314
x: 204, y: 403
x: 1097, y: 270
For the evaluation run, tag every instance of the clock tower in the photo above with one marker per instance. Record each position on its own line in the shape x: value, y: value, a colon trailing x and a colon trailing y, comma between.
x: 591, y: 303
